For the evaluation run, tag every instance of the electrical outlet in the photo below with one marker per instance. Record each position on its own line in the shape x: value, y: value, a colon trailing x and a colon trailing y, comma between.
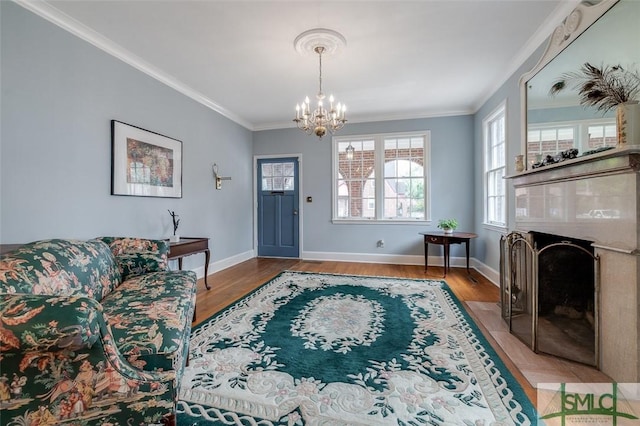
x: 380, y: 244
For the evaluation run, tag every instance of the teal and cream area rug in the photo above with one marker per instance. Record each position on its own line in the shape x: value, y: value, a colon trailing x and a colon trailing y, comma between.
x: 312, y: 349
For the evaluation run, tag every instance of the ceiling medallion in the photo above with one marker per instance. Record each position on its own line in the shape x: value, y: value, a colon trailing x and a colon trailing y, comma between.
x: 320, y: 41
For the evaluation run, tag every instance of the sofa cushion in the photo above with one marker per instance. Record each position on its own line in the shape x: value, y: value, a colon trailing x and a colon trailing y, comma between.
x: 150, y: 317
x: 138, y: 256
x: 60, y: 267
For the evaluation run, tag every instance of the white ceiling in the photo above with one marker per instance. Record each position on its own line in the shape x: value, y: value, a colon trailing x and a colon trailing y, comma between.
x: 403, y: 59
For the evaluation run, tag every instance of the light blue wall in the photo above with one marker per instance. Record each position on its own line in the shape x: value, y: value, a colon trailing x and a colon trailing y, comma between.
x: 451, y: 185
x: 488, y: 242
x: 59, y: 94
x: 551, y: 115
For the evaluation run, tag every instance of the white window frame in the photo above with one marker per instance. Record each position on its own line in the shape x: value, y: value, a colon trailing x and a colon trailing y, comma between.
x: 379, y: 139
x: 580, y: 129
x: 499, y: 112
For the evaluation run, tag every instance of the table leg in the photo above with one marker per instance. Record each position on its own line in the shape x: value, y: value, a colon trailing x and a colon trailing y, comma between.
x: 180, y: 263
x: 426, y: 255
x: 207, y: 254
x: 466, y: 243
x: 446, y: 258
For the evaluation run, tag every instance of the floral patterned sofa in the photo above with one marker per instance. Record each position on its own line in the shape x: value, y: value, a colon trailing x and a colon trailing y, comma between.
x: 92, y: 332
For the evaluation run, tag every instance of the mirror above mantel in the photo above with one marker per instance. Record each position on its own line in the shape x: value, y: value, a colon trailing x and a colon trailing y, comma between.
x: 604, y: 33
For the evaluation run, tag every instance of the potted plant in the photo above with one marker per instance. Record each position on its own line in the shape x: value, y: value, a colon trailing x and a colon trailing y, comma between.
x: 606, y: 88
x: 448, y: 225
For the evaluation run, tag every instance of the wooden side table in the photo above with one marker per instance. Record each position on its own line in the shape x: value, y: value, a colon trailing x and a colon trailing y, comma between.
x: 439, y: 237
x: 188, y: 246
x: 7, y: 248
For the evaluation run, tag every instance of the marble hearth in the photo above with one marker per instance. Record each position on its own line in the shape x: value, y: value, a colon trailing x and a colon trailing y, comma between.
x: 595, y: 198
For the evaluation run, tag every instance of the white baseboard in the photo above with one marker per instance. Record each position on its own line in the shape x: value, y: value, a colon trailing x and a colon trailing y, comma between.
x: 363, y: 257
x: 225, y: 263
x: 394, y: 259
x: 488, y: 272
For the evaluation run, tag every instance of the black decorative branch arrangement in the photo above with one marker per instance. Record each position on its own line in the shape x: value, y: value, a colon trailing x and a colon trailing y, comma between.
x: 176, y: 221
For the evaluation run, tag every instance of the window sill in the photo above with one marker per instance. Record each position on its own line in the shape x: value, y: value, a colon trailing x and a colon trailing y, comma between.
x: 496, y: 228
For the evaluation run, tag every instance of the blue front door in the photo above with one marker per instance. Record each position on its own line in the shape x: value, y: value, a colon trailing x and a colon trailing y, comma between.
x: 278, y: 204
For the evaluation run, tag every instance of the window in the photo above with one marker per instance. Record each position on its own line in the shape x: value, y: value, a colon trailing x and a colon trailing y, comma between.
x: 551, y: 138
x: 495, y: 167
x: 601, y: 135
x: 548, y: 141
x: 385, y: 179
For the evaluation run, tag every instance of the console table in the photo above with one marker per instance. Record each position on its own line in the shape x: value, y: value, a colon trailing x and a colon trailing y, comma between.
x: 6, y: 248
x: 187, y: 246
x: 439, y: 237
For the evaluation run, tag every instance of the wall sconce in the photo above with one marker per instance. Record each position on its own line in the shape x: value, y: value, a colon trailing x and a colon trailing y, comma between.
x: 218, y: 178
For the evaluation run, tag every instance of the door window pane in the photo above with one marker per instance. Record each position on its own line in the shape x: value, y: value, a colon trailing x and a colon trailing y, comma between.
x: 278, y: 176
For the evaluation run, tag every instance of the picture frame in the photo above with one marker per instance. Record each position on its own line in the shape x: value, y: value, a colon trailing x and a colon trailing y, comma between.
x: 144, y: 163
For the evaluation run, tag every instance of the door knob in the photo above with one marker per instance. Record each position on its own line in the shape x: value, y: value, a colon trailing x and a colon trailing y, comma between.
x: 295, y: 212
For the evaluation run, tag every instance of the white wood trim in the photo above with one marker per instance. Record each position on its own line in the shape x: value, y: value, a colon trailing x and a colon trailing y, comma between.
x: 222, y: 264
x: 377, y: 118
x: 370, y: 258
x: 489, y: 273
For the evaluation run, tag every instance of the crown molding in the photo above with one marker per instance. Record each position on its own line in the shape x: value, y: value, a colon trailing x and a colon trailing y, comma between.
x: 372, y: 118
x: 67, y: 23
x: 555, y: 18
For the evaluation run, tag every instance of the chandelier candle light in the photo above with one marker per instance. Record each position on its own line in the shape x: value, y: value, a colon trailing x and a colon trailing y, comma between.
x: 320, y: 119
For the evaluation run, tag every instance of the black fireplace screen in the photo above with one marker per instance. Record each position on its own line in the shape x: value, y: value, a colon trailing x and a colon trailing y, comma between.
x: 549, y: 294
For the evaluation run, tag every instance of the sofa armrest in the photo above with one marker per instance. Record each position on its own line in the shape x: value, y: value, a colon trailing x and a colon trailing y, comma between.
x: 48, y: 323
x: 31, y: 325
x: 138, y: 256
x: 61, y: 361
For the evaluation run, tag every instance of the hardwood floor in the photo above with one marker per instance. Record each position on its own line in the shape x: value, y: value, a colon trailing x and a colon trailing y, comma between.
x: 479, y: 295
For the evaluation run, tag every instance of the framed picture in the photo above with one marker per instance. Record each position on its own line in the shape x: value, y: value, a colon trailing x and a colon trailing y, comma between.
x: 144, y: 163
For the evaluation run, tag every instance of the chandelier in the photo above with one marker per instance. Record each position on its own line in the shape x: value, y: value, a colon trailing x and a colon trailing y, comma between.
x: 320, y: 118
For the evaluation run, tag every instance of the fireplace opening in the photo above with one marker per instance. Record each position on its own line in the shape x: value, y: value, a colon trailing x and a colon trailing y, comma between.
x: 566, y: 297
x: 549, y: 298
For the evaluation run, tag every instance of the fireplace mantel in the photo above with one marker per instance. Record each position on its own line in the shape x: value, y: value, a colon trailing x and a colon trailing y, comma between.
x: 593, y: 198
x: 617, y: 160
x: 596, y: 198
